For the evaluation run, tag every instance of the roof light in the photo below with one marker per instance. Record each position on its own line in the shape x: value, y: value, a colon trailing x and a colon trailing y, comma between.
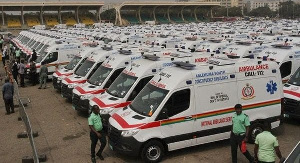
x: 232, y: 76
x: 126, y: 63
x: 153, y: 70
x: 208, y: 50
x: 251, y: 56
x: 265, y: 58
x: 290, y: 56
x: 211, y: 67
x: 274, y: 71
x: 188, y: 82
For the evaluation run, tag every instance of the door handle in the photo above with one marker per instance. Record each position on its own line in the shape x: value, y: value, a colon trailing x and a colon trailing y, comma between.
x: 188, y: 118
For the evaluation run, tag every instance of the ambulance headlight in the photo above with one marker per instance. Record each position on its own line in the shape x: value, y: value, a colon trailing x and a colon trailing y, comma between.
x: 128, y: 133
x: 72, y: 85
x: 106, y: 110
x: 84, y: 97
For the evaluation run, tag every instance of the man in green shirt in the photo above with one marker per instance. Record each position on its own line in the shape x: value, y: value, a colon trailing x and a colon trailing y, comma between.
x: 265, y: 143
x: 96, y: 133
x: 239, y: 133
x: 43, y: 75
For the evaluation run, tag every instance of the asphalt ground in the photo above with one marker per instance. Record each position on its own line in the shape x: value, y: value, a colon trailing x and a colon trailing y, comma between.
x: 63, y: 134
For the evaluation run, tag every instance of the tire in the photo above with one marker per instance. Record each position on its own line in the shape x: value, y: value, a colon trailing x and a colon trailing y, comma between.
x: 255, y: 129
x: 153, y: 151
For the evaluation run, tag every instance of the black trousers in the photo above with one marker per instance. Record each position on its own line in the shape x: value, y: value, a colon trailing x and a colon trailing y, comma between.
x: 22, y: 80
x: 15, y: 75
x: 235, y: 141
x: 265, y: 162
x: 94, y: 139
x: 9, y: 105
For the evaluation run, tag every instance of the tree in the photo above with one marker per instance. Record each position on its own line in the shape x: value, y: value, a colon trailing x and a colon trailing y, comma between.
x: 262, y: 12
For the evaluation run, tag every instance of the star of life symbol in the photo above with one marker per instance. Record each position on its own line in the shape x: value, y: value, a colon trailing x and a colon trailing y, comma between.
x: 271, y: 87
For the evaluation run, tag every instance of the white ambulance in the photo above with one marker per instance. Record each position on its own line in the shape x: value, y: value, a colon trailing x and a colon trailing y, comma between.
x: 69, y: 69
x: 88, y: 67
x: 291, y: 91
x: 190, y: 105
x: 287, y: 56
x: 56, y: 56
x: 103, y: 77
x: 133, y: 79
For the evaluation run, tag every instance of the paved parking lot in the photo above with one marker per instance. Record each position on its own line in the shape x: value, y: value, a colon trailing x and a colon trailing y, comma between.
x: 64, y: 135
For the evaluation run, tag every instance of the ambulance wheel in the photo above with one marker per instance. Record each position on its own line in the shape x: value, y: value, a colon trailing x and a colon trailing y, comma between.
x: 255, y: 129
x: 153, y: 151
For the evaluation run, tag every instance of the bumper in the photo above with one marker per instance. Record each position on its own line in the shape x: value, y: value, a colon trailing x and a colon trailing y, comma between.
x: 66, y: 92
x: 124, y: 145
x: 291, y: 108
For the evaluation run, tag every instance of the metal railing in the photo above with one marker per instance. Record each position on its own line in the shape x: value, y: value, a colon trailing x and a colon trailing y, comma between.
x: 22, y: 102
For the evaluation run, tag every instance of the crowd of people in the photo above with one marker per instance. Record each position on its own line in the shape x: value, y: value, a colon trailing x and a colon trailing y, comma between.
x: 14, y: 62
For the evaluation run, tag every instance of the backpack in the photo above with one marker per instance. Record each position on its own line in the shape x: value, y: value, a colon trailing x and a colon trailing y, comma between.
x: 15, y: 68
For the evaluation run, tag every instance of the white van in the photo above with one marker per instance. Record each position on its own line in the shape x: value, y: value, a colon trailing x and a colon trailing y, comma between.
x: 69, y: 69
x: 133, y: 79
x: 56, y: 57
x: 190, y: 105
x: 287, y: 56
x: 291, y: 91
x: 102, y: 78
x: 88, y: 67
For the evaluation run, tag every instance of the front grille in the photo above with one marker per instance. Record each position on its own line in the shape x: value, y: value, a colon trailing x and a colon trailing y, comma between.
x: 291, y: 105
x: 64, y: 88
x: 65, y: 91
x: 79, y: 104
x: 76, y: 99
x: 114, y: 134
x: 55, y: 84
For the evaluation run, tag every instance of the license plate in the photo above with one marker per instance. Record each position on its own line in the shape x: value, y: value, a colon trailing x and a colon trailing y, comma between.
x: 286, y: 115
x: 111, y: 147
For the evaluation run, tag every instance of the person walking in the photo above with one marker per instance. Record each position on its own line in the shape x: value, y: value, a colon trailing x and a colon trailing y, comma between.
x: 96, y: 133
x: 17, y: 54
x: 4, y: 53
x: 32, y: 71
x: 14, y: 70
x: 8, y: 96
x: 266, y: 145
x: 33, y: 56
x: 43, y: 75
x: 239, y: 133
x: 21, y: 71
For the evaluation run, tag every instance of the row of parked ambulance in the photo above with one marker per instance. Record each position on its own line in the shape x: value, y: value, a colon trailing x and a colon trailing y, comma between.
x: 162, y: 88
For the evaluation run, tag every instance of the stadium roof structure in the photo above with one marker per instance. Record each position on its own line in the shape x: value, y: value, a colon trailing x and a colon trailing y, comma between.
x: 50, y: 6
x: 136, y: 8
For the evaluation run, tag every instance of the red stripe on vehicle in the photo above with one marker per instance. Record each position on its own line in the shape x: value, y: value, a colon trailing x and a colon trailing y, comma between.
x: 100, y: 103
x: 82, y: 91
x: 292, y: 93
x: 76, y: 81
x: 121, y: 105
x: 123, y: 123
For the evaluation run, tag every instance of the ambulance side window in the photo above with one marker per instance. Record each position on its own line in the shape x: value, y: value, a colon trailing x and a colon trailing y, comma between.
x: 139, y: 87
x: 94, y: 69
x: 113, y: 77
x: 51, y: 57
x: 178, y: 102
x: 286, y: 69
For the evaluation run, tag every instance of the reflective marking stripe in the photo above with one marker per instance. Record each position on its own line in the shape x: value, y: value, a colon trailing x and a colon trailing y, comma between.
x: 292, y: 93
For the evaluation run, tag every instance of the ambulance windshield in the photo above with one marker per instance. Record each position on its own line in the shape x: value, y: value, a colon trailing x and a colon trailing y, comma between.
x: 148, y: 100
x: 73, y: 63
x: 100, y: 75
x: 84, y: 68
x: 121, y: 85
x: 295, y: 79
